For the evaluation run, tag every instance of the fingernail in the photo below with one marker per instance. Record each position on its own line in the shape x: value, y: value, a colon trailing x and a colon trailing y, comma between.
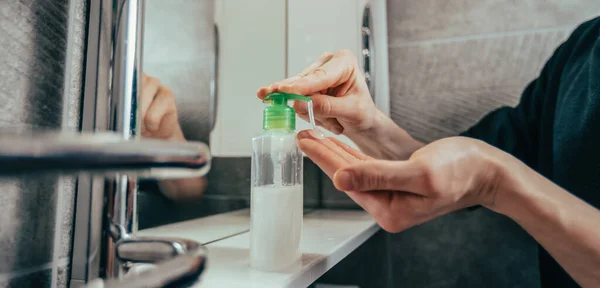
x: 317, y: 133
x: 344, y: 180
x: 304, y: 134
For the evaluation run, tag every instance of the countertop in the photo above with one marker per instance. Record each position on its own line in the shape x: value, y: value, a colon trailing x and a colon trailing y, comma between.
x: 327, y: 237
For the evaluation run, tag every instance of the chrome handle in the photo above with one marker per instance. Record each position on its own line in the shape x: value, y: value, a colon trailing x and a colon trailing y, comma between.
x: 368, y: 53
x: 100, y: 153
x: 214, y: 81
x: 152, y: 249
x: 180, y: 263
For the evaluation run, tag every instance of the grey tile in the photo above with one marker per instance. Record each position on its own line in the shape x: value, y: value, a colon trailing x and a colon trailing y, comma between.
x: 465, y: 249
x: 312, y: 176
x: 156, y: 210
x: 230, y: 176
x: 410, y: 21
x: 438, y: 90
x: 37, y: 279
x: 27, y: 222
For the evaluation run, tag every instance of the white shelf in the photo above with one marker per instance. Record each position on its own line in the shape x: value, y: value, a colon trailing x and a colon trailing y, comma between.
x: 328, y: 236
x: 206, y: 229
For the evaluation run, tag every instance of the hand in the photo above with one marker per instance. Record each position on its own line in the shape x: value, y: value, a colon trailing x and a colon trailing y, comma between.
x: 159, y: 113
x: 159, y: 120
x: 442, y: 177
x: 342, y: 104
x: 341, y: 99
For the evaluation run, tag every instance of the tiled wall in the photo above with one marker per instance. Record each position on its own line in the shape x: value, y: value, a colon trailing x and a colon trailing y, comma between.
x: 41, y: 64
x: 450, y: 63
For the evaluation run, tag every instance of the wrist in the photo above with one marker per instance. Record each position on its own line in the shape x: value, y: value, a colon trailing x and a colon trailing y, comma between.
x: 510, y: 185
x: 177, y: 136
x: 383, y: 139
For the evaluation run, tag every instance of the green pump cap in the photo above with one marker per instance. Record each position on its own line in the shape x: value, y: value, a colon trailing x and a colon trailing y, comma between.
x: 279, y: 115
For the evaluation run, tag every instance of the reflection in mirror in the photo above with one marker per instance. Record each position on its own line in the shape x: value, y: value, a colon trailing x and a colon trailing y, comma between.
x: 175, y: 101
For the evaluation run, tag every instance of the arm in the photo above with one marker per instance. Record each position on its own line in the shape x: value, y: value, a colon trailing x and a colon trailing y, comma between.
x: 454, y: 173
x: 385, y: 140
x: 567, y: 227
x: 184, y: 189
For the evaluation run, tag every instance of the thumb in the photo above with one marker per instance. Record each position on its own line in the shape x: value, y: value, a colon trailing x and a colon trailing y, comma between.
x: 326, y: 106
x: 379, y: 175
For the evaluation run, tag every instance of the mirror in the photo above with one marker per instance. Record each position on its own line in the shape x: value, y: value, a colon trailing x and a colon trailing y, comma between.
x: 179, y: 53
x: 258, y: 42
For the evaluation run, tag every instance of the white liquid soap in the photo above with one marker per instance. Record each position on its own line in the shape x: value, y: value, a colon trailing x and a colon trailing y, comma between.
x: 274, y: 240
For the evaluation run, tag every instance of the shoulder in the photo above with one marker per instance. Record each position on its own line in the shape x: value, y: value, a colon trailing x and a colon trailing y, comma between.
x: 583, y: 37
x: 579, y: 44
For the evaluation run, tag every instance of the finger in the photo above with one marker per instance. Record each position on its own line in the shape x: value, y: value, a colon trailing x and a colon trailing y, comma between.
x: 150, y: 86
x: 357, y: 154
x: 381, y: 175
x: 333, y: 125
x: 329, y: 162
x: 322, y: 156
x: 340, y: 69
x: 264, y: 91
x: 162, y: 106
x: 333, y: 148
x: 331, y: 107
x: 324, y: 58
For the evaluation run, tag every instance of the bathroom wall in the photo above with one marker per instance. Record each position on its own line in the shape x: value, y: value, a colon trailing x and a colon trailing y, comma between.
x: 450, y: 63
x: 41, y: 64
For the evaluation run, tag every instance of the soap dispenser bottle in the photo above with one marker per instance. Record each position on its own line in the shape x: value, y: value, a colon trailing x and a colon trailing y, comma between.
x: 276, y: 206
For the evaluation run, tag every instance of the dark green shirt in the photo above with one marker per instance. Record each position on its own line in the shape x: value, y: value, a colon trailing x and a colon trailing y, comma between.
x: 555, y: 129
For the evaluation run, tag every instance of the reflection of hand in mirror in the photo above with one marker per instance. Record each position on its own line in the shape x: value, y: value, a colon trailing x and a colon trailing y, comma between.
x: 159, y: 112
x: 159, y: 121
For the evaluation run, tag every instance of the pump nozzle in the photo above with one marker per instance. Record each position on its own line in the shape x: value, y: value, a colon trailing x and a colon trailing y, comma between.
x: 279, y: 115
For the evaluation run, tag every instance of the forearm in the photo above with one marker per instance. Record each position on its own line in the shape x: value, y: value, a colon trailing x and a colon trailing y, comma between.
x: 385, y: 140
x: 185, y: 188
x: 567, y: 227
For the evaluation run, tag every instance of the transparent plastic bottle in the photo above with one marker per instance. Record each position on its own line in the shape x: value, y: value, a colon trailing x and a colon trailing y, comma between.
x: 277, y: 191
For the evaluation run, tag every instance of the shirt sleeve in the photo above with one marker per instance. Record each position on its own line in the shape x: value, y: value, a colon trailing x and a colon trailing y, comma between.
x: 514, y: 130
x: 517, y: 130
